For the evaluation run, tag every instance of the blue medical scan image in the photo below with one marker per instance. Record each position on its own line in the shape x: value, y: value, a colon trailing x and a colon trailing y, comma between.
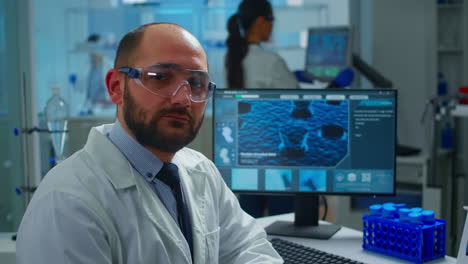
x: 278, y: 179
x: 245, y: 179
x: 328, y: 48
x: 313, y: 180
x: 293, y: 133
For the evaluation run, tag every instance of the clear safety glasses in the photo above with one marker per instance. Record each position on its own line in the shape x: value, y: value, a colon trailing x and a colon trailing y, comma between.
x: 166, y: 80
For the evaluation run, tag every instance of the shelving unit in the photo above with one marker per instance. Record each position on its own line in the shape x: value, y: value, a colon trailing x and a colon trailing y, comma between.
x: 452, y: 42
x: 452, y: 61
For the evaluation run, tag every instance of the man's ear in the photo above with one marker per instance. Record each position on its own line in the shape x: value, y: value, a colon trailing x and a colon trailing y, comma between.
x: 115, y: 86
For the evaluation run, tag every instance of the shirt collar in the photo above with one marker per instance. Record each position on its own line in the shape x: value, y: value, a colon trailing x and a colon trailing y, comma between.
x: 145, y: 162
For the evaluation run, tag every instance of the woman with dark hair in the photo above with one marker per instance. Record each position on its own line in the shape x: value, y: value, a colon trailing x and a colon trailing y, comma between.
x: 247, y: 64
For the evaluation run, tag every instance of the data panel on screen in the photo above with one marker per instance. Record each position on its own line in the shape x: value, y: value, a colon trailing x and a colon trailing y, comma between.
x: 323, y: 141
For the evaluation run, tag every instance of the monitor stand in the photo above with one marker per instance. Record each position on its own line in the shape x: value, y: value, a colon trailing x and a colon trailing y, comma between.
x: 306, y: 220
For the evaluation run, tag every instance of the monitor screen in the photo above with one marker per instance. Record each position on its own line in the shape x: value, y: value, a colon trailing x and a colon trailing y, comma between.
x: 328, y: 51
x: 320, y: 141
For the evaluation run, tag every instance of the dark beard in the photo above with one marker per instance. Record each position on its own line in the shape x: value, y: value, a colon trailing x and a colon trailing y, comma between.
x: 150, y: 134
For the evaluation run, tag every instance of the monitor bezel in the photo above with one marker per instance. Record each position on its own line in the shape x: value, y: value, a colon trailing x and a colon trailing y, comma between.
x: 269, y: 192
x: 349, y: 51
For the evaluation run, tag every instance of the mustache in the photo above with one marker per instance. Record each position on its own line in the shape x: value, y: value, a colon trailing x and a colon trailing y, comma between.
x: 176, y: 110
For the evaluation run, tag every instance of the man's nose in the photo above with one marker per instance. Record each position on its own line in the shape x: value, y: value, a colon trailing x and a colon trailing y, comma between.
x: 181, y: 94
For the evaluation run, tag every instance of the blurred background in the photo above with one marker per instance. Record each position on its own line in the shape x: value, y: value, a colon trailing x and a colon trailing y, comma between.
x: 58, y: 52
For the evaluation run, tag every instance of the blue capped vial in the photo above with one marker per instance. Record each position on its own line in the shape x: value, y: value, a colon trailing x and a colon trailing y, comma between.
x: 375, y: 209
x: 403, y: 213
x: 388, y: 204
x: 415, y: 218
x: 389, y: 212
x: 428, y: 217
x: 399, y: 205
x: 416, y: 209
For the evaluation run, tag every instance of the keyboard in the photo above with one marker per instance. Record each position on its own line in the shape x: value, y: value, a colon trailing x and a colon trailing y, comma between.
x: 293, y: 253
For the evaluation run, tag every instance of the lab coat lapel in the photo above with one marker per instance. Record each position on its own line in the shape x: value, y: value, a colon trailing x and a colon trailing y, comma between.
x: 103, y: 152
x: 194, y: 184
x: 158, y: 214
x: 122, y: 175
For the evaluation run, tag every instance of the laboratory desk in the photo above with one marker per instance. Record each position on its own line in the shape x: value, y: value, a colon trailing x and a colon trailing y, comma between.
x: 346, y: 242
x: 7, y: 249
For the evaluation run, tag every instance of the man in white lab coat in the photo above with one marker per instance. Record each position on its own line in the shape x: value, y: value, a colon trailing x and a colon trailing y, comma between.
x: 114, y: 201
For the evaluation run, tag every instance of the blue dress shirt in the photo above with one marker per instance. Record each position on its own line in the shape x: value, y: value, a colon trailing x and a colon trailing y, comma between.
x: 146, y: 163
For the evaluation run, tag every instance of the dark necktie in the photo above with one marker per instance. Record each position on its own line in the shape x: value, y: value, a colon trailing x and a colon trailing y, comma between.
x: 169, y: 174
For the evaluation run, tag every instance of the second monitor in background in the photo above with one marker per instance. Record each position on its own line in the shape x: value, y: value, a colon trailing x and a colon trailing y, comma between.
x: 329, y: 51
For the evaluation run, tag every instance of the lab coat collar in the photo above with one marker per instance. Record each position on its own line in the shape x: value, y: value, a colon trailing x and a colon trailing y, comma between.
x: 106, y: 154
x: 192, y: 178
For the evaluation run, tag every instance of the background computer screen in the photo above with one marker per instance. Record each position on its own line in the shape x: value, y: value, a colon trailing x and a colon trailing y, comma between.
x: 328, y: 51
x: 306, y: 141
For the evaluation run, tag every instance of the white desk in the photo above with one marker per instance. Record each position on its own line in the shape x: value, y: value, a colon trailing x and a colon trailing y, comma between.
x: 346, y: 242
x: 7, y: 249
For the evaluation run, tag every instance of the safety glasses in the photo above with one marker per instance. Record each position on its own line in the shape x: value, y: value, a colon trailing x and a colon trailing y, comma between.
x: 166, y: 80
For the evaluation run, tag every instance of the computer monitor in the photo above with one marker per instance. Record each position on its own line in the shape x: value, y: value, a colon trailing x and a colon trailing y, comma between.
x: 328, y: 52
x: 306, y: 143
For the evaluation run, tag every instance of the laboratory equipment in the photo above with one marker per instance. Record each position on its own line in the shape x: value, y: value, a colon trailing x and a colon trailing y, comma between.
x: 412, y: 234
x: 56, y: 112
x: 96, y: 92
x: 306, y: 143
x: 328, y: 51
x: 463, y: 251
x: 463, y: 95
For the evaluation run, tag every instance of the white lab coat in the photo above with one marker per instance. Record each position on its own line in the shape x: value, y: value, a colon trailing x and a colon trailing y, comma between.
x: 264, y: 69
x: 95, y: 208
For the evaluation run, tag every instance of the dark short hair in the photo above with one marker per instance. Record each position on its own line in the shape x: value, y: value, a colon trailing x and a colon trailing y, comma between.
x: 130, y: 42
x: 127, y: 45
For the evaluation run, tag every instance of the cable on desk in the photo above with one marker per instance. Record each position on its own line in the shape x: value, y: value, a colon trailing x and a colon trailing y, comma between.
x: 325, y: 204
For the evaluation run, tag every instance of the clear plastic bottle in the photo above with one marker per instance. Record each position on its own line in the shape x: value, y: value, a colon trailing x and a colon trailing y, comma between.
x: 56, y: 112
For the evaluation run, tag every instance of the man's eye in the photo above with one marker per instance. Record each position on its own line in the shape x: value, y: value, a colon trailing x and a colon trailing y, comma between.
x: 196, y: 83
x: 157, y: 76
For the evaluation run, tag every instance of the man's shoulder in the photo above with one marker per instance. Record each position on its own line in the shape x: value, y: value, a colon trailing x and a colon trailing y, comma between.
x: 68, y: 176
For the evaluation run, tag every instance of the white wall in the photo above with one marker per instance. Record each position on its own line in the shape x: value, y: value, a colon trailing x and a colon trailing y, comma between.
x: 403, y: 50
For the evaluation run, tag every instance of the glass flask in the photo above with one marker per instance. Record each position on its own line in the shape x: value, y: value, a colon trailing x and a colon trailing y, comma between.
x: 56, y: 112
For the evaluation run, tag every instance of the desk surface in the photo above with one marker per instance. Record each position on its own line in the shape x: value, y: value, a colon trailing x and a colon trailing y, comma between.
x: 346, y: 242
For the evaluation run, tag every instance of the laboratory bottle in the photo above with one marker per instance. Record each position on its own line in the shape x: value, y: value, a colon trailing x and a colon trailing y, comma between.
x: 56, y: 112
x: 442, y: 87
x: 447, y: 136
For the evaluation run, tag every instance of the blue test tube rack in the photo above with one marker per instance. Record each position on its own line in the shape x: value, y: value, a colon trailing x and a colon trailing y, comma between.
x: 410, y: 234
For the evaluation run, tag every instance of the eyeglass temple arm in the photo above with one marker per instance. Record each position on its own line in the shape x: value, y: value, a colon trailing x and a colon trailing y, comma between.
x: 212, y: 85
x: 131, y: 72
